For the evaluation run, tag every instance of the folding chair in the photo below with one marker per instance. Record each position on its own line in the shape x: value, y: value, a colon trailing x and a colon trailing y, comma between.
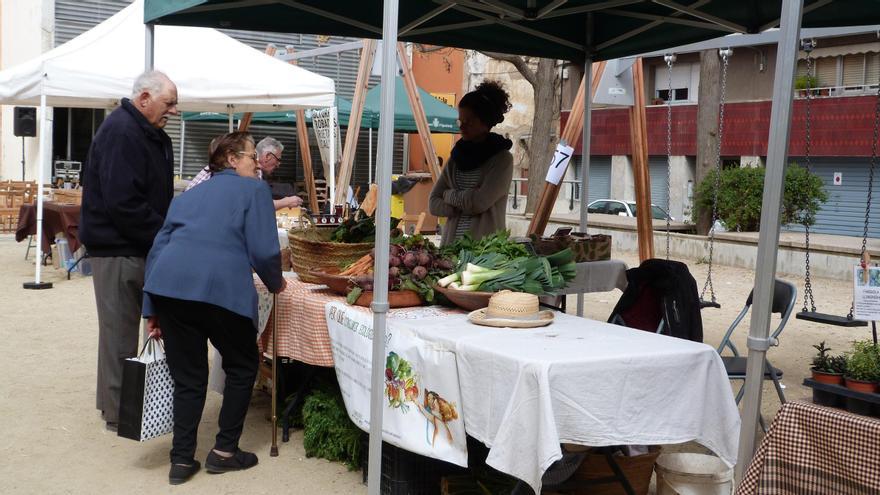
x: 784, y: 300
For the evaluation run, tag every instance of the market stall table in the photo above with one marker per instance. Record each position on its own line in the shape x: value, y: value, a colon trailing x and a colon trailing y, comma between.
x: 584, y: 382
x: 577, y: 381
x: 57, y: 218
x: 815, y: 449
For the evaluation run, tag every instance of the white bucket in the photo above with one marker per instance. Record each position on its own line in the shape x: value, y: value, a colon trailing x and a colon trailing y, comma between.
x: 693, y: 474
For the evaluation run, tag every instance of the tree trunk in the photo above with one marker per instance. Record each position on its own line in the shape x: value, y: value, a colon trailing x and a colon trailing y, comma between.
x: 543, y: 135
x: 707, y: 125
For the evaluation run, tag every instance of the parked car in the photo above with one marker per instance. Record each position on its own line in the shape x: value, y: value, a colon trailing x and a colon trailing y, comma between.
x: 624, y: 209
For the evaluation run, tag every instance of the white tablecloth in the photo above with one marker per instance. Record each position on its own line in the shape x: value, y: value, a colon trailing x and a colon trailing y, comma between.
x: 584, y: 382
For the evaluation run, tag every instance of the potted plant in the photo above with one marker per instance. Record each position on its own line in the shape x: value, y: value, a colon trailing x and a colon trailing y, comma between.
x: 863, y: 367
x: 827, y: 368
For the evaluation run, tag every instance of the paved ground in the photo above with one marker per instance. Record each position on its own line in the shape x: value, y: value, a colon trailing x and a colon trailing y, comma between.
x: 53, y: 440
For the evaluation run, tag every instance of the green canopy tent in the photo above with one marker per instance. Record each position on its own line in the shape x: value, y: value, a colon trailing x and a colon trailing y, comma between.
x: 575, y: 30
x: 441, y: 117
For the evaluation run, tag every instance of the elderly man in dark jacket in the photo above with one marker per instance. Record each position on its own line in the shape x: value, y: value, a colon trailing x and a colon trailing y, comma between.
x: 127, y: 188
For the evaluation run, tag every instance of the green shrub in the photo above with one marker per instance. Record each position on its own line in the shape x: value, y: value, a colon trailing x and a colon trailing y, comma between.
x: 741, y: 191
x: 804, y: 81
x: 863, y: 363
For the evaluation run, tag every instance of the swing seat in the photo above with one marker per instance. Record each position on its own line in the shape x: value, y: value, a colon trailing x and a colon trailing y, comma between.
x: 835, y: 320
x: 709, y: 304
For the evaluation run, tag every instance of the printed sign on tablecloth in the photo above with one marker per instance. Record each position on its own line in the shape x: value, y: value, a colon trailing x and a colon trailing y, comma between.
x: 422, y: 397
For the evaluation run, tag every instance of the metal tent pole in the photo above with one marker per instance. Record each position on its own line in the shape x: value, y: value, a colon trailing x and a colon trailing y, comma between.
x: 230, y: 115
x: 383, y: 234
x: 182, y: 140
x: 43, y: 164
x: 370, y: 159
x: 585, y: 158
x: 768, y: 240
x: 149, y: 49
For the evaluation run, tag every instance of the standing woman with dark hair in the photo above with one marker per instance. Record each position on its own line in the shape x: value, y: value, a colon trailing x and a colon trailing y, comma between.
x: 472, y: 190
x: 199, y: 286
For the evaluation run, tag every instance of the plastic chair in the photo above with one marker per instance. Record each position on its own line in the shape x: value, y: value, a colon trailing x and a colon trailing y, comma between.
x: 784, y: 300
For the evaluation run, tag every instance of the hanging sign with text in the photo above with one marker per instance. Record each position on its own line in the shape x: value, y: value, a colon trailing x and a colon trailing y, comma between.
x: 866, y: 293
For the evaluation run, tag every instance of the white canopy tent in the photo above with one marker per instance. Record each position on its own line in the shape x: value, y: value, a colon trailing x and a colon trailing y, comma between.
x: 213, y: 73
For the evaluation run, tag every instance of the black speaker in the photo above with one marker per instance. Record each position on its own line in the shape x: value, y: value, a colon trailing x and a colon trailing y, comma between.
x: 25, y: 122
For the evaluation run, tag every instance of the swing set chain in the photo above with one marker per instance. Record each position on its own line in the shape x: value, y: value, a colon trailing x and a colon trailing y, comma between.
x: 725, y: 60
x: 870, y: 184
x: 670, y: 60
x: 808, y: 286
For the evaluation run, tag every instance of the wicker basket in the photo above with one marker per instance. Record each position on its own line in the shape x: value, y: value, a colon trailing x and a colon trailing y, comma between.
x: 311, y: 249
x: 638, y: 471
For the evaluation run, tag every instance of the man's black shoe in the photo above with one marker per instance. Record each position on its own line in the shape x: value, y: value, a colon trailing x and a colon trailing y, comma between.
x: 216, y: 464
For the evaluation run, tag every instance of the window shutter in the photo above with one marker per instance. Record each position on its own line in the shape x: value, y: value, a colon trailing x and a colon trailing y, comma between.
x: 854, y: 69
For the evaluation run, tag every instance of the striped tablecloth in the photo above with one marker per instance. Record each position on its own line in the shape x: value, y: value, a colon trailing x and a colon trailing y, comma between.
x: 811, y: 449
x: 302, y: 329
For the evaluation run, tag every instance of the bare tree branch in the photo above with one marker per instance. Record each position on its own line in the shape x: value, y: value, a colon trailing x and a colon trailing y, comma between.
x: 520, y: 63
x: 422, y: 48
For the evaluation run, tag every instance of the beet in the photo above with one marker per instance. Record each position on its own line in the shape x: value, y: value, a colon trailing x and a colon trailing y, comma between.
x: 424, y: 259
x: 394, y: 271
x: 394, y: 261
x: 410, y: 260
x: 420, y: 272
x: 443, y: 264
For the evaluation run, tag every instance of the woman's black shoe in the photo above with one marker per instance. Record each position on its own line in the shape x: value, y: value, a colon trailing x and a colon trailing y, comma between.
x: 181, y: 474
x: 216, y: 464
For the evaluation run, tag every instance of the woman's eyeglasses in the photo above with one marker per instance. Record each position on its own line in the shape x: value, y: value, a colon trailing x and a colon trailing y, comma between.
x: 252, y: 156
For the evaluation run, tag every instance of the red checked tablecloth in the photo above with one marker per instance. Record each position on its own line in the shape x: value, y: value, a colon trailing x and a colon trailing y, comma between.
x: 302, y: 328
x: 811, y: 449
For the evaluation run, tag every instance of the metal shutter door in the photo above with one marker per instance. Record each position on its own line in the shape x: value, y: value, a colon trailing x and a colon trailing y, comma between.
x: 659, y: 169
x: 826, y: 71
x: 854, y: 69
x: 600, y: 178
x: 872, y: 72
x: 844, y: 212
x: 74, y: 17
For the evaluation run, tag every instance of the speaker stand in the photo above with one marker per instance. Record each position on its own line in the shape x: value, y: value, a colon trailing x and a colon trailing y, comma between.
x: 22, y: 158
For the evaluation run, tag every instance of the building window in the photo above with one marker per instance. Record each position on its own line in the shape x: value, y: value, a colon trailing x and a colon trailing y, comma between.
x: 678, y: 94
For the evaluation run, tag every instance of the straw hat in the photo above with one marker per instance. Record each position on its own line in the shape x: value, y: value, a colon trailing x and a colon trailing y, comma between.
x: 512, y: 309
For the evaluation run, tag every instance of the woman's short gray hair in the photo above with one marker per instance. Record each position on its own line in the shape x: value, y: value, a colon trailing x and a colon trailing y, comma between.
x: 151, y: 81
x: 269, y: 144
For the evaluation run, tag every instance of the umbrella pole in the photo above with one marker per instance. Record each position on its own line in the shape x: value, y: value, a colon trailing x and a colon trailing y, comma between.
x: 768, y: 240
x: 182, y: 139
x: 332, y: 196
x: 383, y: 234
x: 42, y: 165
x: 273, y: 451
x: 585, y: 158
x: 370, y: 159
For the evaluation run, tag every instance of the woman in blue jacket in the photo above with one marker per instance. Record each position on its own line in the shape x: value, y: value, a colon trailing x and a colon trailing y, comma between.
x: 199, y: 286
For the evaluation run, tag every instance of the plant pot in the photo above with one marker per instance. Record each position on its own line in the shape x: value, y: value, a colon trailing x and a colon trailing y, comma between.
x: 861, y: 386
x: 829, y: 378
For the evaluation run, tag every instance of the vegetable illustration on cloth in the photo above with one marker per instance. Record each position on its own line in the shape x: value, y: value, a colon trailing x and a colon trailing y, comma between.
x: 402, y: 388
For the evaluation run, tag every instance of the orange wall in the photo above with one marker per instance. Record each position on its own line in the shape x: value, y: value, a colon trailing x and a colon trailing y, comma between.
x: 441, y: 71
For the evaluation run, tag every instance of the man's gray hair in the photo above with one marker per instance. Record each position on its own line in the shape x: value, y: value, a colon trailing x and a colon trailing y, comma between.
x: 151, y: 81
x: 269, y: 144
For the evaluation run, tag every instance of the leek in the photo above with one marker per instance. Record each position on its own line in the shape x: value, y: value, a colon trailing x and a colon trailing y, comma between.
x: 472, y: 278
x: 449, y: 279
x: 476, y: 268
x: 469, y: 288
x: 454, y: 285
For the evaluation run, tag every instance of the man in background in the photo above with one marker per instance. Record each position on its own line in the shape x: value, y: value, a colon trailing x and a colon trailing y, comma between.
x: 129, y: 184
x: 269, y: 152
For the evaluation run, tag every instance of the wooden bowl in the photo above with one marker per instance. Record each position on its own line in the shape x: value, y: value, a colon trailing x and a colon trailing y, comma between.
x: 467, y: 300
x: 341, y: 284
